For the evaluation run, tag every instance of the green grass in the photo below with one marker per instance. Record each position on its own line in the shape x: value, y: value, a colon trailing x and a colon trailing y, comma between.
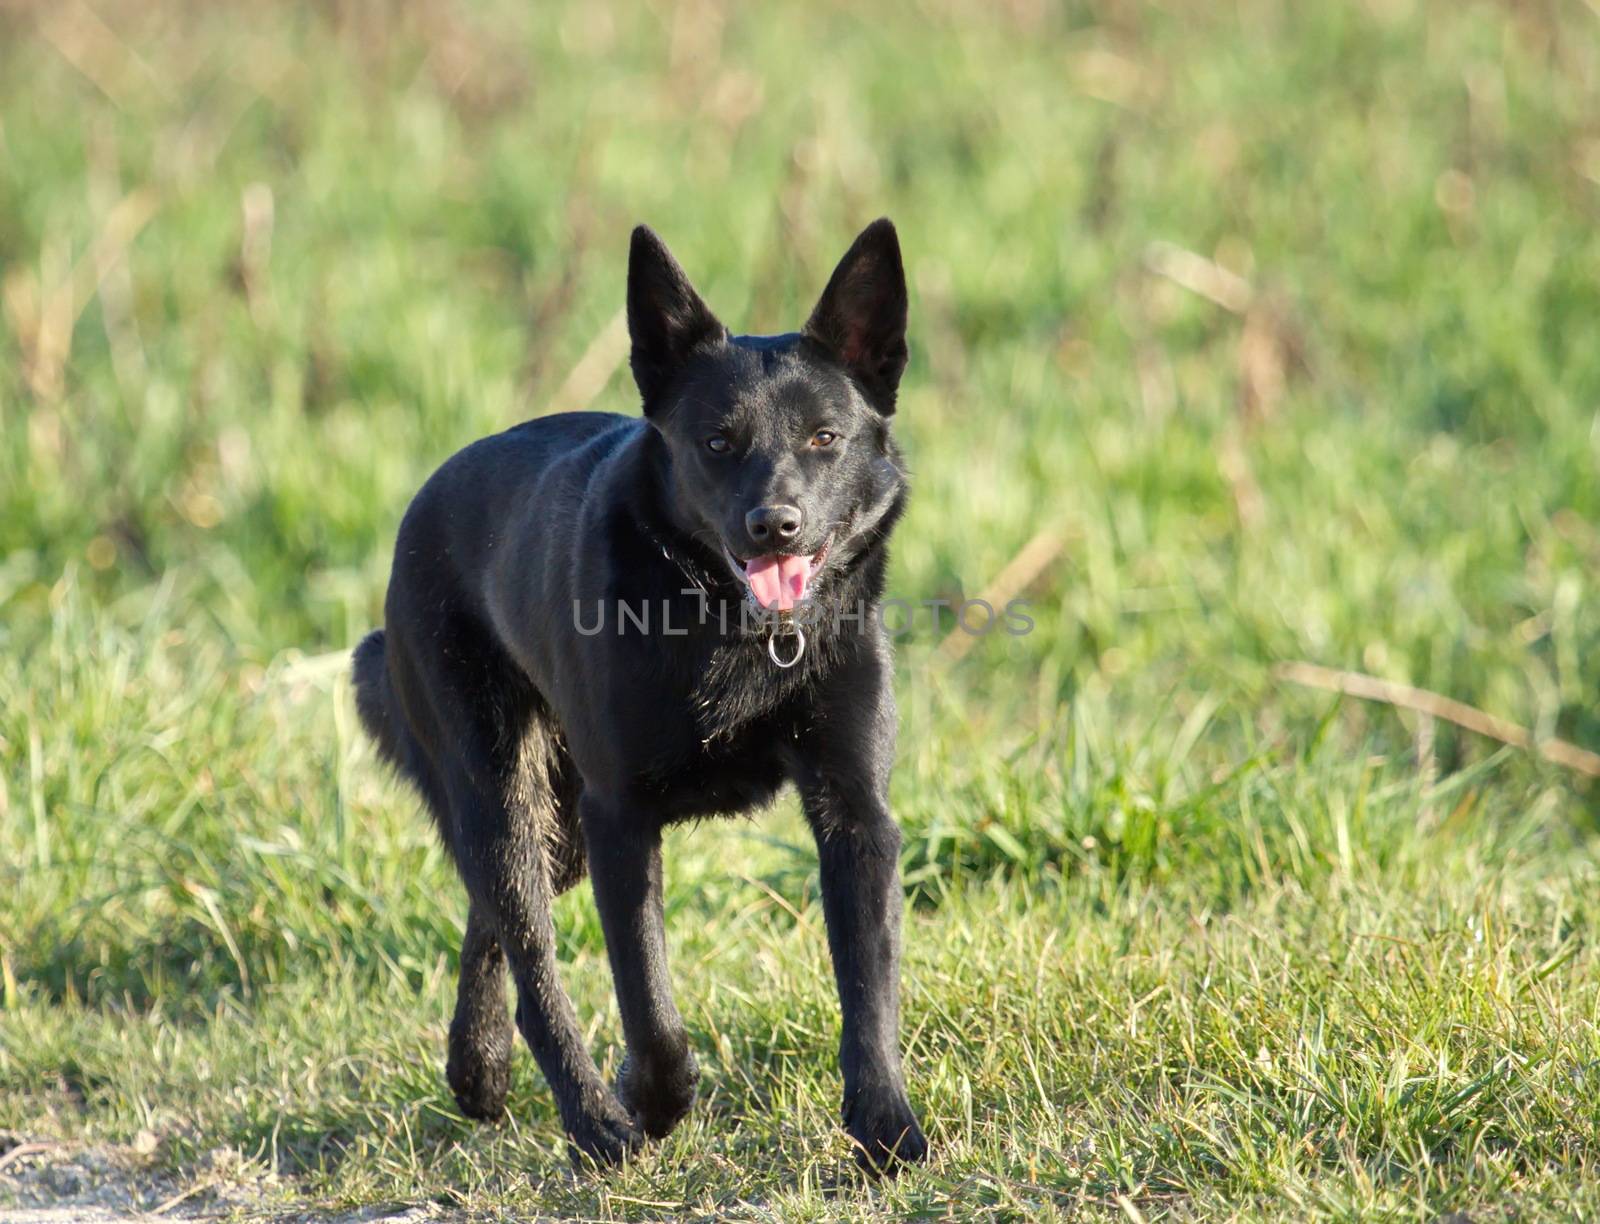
x: 1183, y: 941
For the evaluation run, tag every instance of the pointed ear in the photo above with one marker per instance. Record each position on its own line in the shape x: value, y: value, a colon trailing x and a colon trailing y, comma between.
x: 667, y: 320
x: 861, y: 316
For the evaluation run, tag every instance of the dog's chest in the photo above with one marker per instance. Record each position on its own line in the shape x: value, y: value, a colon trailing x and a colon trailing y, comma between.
x: 740, y: 684
x: 722, y: 744
x: 723, y: 777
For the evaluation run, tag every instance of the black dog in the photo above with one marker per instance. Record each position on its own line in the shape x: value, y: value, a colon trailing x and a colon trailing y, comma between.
x: 598, y: 625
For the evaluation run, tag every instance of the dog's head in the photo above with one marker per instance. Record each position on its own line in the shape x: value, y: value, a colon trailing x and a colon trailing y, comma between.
x: 780, y: 453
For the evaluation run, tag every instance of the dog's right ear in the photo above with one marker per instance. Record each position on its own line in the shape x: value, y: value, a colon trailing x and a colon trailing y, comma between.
x: 667, y: 321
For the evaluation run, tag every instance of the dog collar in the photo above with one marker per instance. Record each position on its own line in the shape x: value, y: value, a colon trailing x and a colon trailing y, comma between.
x: 799, y: 636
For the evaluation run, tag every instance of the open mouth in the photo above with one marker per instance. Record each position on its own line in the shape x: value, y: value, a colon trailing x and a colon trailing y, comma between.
x: 779, y: 580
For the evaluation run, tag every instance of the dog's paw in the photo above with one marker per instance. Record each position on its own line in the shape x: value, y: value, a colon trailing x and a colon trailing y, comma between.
x: 480, y: 1078
x: 658, y: 1096
x: 602, y: 1138
x: 884, y: 1130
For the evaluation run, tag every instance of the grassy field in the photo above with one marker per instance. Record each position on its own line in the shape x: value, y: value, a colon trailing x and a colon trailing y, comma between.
x: 1280, y: 317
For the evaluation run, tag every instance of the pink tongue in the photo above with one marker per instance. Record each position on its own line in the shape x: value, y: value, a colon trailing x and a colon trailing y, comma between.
x: 779, y: 581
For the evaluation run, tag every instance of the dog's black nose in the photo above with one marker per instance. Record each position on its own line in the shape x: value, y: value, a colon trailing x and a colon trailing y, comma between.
x: 770, y: 525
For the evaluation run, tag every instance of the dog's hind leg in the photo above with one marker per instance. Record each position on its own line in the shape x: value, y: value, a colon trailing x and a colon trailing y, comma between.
x: 479, y: 1063
x: 498, y: 787
x: 659, y: 1076
x: 505, y: 862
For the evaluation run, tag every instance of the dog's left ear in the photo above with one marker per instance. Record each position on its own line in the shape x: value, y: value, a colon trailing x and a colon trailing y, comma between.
x: 861, y: 316
x: 667, y: 321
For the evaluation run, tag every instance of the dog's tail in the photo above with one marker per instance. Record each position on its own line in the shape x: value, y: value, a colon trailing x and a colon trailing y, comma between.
x: 370, y: 671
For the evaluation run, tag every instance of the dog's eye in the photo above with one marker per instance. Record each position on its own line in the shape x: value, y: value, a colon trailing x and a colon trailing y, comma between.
x: 824, y: 437
x: 718, y: 445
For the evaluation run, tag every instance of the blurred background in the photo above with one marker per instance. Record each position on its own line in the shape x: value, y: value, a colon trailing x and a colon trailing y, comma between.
x: 1244, y: 334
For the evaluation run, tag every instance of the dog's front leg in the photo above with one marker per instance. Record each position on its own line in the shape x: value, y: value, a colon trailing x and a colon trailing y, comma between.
x: 858, y: 850
x: 659, y: 1075
x: 843, y: 773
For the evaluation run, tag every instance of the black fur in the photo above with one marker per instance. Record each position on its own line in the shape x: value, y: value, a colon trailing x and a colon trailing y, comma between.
x: 541, y: 747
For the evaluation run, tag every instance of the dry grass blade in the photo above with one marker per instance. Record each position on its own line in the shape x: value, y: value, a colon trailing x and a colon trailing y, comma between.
x: 94, y: 49
x: 23, y: 1150
x: 599, y: 362
x: 45, y: 319
x: 1422, y: 701
x: 181, y: 1197
x: 1200, y: 275
x: 1019, y: 574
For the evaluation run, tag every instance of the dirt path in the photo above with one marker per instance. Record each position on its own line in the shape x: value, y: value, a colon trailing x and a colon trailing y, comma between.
x: 66, y: 1183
